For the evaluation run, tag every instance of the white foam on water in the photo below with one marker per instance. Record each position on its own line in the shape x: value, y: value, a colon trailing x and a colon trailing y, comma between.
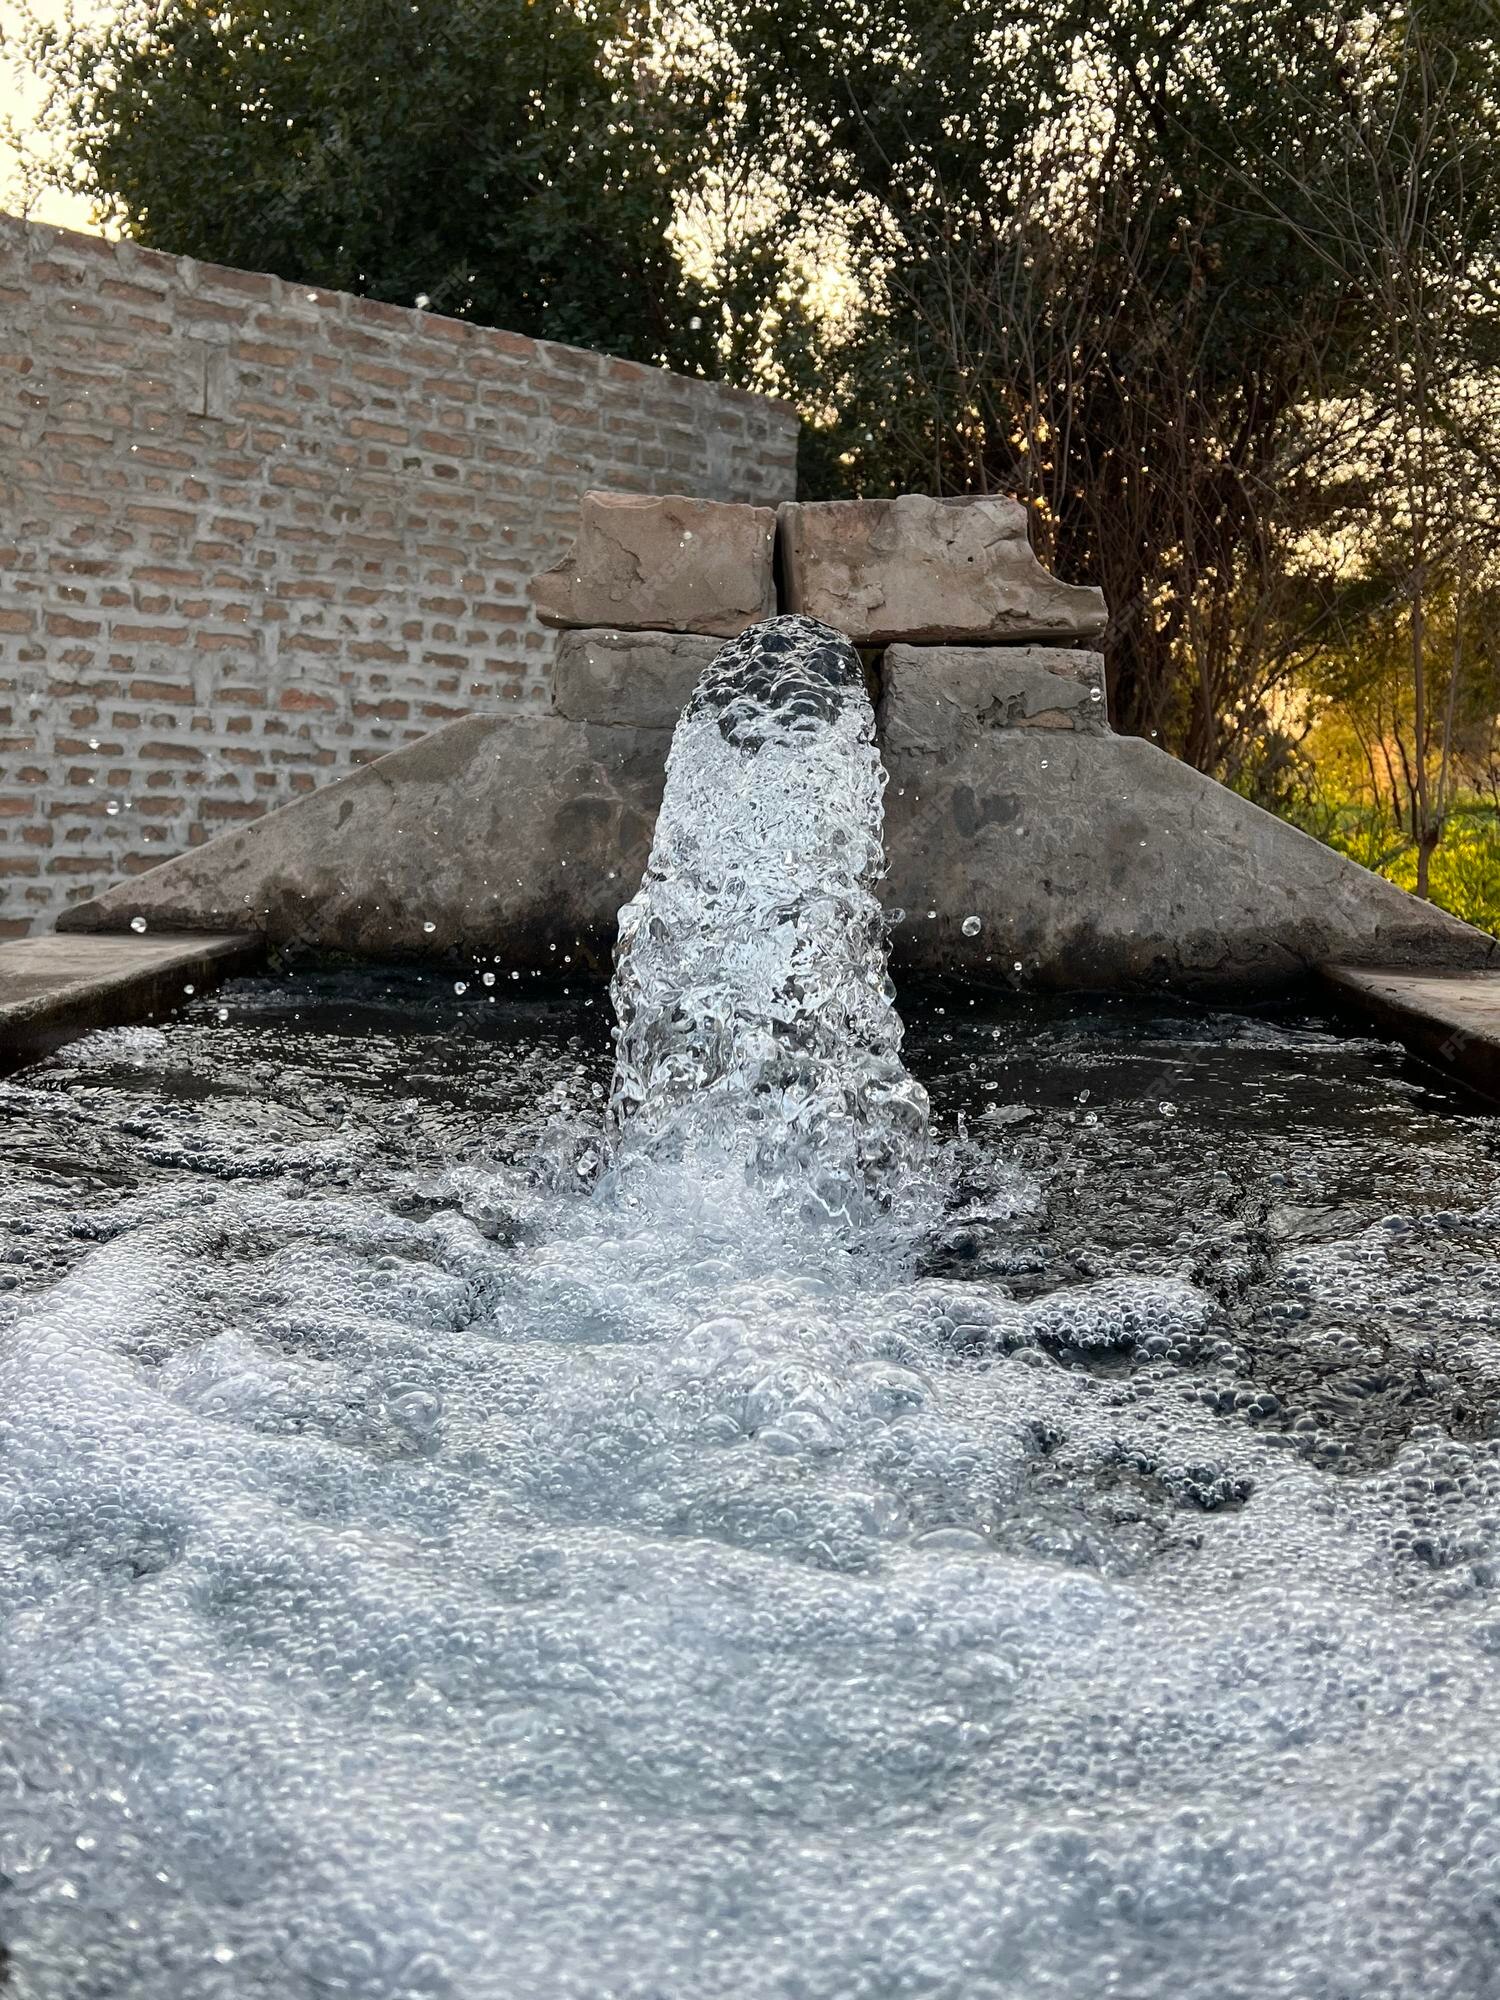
x: 662, y: 1591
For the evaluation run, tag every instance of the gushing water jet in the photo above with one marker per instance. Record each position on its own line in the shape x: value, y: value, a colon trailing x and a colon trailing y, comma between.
x: 757, y: 1027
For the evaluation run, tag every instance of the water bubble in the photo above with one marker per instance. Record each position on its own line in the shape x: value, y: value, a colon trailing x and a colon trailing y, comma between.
x: 415, y: 1409
x: 971, y: 926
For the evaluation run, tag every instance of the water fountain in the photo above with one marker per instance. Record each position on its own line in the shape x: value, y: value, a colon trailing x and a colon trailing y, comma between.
x: 757, y: 1025
x: 500, y: 1515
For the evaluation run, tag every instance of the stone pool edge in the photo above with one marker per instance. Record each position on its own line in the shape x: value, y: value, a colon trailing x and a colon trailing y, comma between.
x: 56, y: 987
x: 1448, y: 1017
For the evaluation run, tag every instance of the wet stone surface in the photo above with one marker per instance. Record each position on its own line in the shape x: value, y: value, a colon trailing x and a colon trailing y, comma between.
x: 416, y: 1580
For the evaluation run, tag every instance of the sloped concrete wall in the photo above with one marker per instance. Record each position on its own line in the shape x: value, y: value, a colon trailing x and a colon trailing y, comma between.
x: 1089, y: 860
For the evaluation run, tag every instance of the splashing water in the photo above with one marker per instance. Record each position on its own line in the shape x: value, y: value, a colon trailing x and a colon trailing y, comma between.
x: 758, y: 1038
x: 424, y: 1576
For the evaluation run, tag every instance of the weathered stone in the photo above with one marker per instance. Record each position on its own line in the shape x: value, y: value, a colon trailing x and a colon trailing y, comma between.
x: 1100, y: 862
x: 1094, y: 860
x: 641, y: 679
x: 666, y: 564
x: 519, y: 835
x: 936, y: 699
x: 927, y: 571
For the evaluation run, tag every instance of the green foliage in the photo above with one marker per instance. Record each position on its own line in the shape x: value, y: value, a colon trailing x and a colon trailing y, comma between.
x: 510, y: 161
x: 1465, y: 868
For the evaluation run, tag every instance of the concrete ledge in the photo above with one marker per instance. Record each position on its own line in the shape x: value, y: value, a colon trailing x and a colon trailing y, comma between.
x: 1450, y: 1018
x: 54, y: 988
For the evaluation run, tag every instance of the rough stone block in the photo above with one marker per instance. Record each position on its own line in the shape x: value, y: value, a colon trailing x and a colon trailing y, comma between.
x: 928, y: 571
x: 666, y: 564
x: 1098, y: 862
x: 936, y: 699
x: 638, y: 678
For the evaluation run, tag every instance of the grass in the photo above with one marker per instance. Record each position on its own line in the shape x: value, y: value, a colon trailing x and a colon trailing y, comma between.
x: 1465, y: 874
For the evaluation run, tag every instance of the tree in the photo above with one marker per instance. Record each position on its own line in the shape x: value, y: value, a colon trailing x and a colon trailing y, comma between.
x: 507, y: 161
x: 1075, y: 288
x: 1403, y: 199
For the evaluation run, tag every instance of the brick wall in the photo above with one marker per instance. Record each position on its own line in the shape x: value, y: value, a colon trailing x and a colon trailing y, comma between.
x: 252, y: 534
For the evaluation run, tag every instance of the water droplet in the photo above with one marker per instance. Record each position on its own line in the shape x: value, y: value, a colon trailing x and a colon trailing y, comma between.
x: 138, y: 924
x: 1167, y: 1108
x: 460, y: 985
x: 223, y: 1013
x: 111, y: 806
x: 93, y: 743
x: 487, y: 978
x: 429, y: 927
x: 189, y: 989
x: 971, y: 926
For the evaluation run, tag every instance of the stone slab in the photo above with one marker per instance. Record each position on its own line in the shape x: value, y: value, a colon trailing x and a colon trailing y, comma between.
x: 662, y: 563
x: 1102, y: 863
x: 927, y: 571
x: 54, y: 988
x: 1449, y: 1018
x: 935, y: 699
x: 641, y: 679
x: 510, y: 835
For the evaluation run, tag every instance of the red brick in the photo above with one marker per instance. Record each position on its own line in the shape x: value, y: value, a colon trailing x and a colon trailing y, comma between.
x: 376, y: 504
